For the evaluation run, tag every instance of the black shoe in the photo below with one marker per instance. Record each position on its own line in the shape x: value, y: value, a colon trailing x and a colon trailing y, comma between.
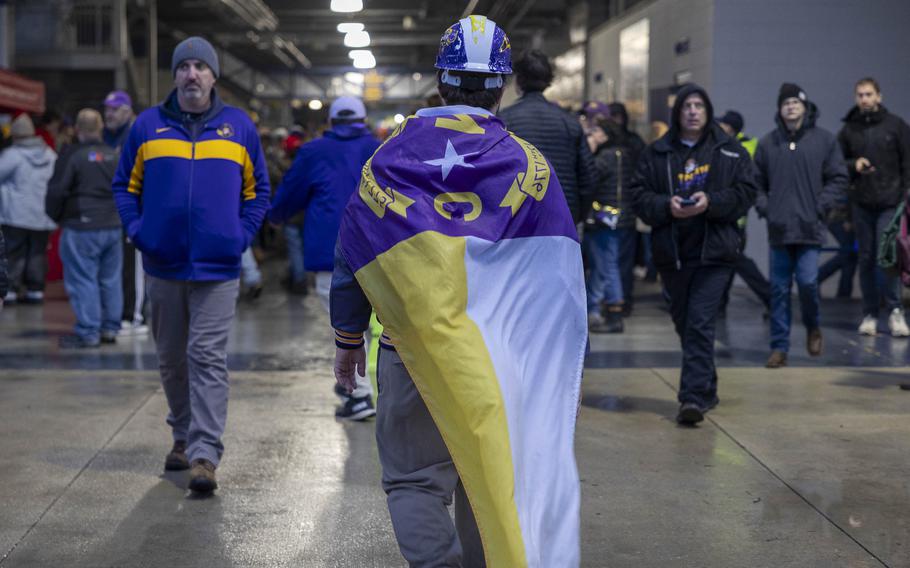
x: 341, y: 393
x: 253, y: 292
x: 689, y: 414
x: 109, y: 337
x: 613, y: 320
x: 76, y: 342
x: 356, y: 409
x: 202, y: 477
x: 176, y: 458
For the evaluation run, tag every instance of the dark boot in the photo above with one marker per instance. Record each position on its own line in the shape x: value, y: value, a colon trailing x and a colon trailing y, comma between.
x: 814, y: 342
x: 202, y: 476
x: 176, y: 458
x: 613, y: 318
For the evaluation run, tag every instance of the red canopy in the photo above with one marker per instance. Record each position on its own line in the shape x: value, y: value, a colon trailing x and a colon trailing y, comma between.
x: 19, y: 93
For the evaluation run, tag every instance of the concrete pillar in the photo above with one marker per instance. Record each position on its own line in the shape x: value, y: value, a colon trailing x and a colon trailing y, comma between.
x: 7, y: 35
x: 120, y: 46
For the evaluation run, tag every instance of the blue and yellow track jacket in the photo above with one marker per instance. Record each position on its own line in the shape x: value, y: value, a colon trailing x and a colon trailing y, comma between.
x: 192, y: 194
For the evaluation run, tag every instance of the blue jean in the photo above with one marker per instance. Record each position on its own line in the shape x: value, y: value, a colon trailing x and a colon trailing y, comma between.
x: 788, y: 261
x: 875, y: 284
x: 604, y: 283
x: 293, y: 236
x: 92, y: 264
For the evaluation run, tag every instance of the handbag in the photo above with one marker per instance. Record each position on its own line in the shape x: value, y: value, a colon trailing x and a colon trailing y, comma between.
x: 888, y: 251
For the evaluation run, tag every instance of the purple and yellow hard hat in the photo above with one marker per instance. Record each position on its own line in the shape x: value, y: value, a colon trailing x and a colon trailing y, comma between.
x: 475, y: 44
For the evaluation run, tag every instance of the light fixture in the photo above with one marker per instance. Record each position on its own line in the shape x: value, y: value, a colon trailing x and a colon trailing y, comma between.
x: 348, y: 27
x: 315, y: 104
x: 296, y: 104
x: 347, y: 5
x: 357, y: 39
x: 363, y: 58
x: 417, y: 76
x: 399, y: 118
x: 354, y: 77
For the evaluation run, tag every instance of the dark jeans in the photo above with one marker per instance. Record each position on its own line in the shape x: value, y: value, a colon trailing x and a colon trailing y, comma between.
x: 875, y: 284
x: 628, y: 248
x: 695, y: 296
x: 787, y: 262
x: 844, y: 261
x: 26, y: 252
x: 752, y: 276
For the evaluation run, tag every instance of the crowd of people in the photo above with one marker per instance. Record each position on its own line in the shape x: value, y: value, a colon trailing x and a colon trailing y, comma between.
x: 163, y: 215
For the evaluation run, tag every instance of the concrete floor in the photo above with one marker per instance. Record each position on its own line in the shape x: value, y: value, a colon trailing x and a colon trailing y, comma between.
x: 804, y: 467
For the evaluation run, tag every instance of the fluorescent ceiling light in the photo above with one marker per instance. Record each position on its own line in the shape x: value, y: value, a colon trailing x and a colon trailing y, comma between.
x: 354, y: 77
x: 357, y: 39
x: 348, y: 27
x: 363, y: 58
x: 315, y: 104
x: 347, y: 5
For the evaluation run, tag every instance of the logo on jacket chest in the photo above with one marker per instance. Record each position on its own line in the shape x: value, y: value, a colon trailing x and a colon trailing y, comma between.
x: 225, y: 130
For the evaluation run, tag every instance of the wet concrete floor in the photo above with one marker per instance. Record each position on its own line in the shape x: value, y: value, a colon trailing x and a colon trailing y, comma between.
x: 804, y: 466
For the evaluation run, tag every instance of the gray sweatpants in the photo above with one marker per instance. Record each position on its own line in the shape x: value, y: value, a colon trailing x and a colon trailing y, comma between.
x: 419, y: 477
x: 190, y: 324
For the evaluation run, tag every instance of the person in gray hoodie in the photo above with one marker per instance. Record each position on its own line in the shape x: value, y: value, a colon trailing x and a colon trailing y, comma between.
x: 801, y: 178
x: 25, y: 169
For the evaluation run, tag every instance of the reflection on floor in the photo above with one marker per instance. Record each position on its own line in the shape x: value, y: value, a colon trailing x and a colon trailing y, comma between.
x: 804, y: 466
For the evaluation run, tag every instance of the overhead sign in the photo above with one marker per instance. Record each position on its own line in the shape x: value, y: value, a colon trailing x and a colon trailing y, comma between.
x: 373, y: 87
x: 19, y: 93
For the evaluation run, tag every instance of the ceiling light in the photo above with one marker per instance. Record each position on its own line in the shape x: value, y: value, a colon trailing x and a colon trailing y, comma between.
x: 399, y: 118
x: 417, y: 76
x: 348, y: 27
x: 347, y: 5
x: 357, y: 39
x: 354, y: 77
x: 363, y: 58
x: 315, y: 104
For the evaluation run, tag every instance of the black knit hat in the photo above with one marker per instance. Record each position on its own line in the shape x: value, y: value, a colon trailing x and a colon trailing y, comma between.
x: 734, y: 120
x: 790, y: 91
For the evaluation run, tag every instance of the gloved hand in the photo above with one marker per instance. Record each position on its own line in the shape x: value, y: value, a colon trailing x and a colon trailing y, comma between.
x: 347, y: 362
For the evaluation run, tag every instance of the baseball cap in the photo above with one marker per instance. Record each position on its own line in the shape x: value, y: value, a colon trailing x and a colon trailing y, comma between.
x: 118, y: 99
x: 347, y: 107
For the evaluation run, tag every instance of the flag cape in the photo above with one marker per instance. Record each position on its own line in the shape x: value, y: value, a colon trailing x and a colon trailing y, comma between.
x: 461, y: 239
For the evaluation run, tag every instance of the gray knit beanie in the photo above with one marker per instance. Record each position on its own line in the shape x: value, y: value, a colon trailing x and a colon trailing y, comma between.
x: 195, y: 48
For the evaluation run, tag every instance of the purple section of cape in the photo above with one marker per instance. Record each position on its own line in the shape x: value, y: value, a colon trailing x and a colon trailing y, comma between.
x: 496, y: 158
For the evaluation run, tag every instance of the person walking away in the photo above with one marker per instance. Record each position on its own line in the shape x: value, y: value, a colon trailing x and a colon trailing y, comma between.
x: 192, y: 190
x: 801, y: 178
x: 876, y: 146
x: 25, y: 169
x: 79, y: 197
x: 692, y: 186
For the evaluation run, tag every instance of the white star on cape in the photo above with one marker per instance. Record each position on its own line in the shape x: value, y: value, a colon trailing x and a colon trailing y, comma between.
x: 450, y: 160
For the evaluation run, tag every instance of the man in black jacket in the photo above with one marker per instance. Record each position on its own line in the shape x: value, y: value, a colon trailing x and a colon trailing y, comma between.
x: 692, y: 186
x: 79, y: 197
x: 876, y: 147
x: 801, y: 178
x: 551, y: 130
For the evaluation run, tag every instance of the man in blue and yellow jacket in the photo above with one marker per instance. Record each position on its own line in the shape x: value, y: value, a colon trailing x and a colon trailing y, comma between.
x: 192, y: 189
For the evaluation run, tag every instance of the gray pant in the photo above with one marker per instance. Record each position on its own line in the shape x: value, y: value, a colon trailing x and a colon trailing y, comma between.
x: 190, y: 323
x: 419, y: 477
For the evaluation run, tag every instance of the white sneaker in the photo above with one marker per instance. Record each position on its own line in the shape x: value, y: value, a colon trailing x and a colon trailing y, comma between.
x: 130, y: 329
x: 897, y: 324
x: 869, y: 326
x: 10, y: 297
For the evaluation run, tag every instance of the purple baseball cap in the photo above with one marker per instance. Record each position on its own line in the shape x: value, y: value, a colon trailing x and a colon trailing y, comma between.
x: 118, y: 99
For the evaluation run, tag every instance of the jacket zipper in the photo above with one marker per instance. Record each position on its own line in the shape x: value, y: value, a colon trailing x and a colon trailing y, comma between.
x: 672, y: 226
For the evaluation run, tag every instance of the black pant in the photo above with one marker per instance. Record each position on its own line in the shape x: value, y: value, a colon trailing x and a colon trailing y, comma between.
x: 695, y: 297
x: 131, y: 292
x: 26, y: 251
x: 747, y: 270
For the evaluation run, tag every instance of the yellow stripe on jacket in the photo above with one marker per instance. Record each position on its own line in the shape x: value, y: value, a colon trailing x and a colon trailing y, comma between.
x: 205, y: 150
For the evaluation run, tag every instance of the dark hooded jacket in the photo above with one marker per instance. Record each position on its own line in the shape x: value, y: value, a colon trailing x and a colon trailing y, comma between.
x: 716, y: 165
x: 79, y: 196
x: 884, y: 139
x: 801, y: 178
x: 614, y: 162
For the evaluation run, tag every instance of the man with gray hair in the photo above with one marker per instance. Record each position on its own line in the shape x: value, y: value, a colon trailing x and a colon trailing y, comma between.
x: 201, y: 165
x: 79, y: 198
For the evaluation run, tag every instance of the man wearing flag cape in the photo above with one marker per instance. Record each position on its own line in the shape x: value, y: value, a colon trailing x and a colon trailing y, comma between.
x: 461, y: 240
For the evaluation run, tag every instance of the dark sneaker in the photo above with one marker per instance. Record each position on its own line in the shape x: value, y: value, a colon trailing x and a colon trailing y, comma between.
x: 814, y: 342
x: 356, y: 408
x: 176, y: 458
x: 77, y: 342
x: 777, y: 360
x: 202, y: 476
x: 689, y: 414
x: 109, y: 337
x: 341, y: 393
x: 613, y: 319
x: 596, y: 324
x: 253, y: 292
x: 33, y: 297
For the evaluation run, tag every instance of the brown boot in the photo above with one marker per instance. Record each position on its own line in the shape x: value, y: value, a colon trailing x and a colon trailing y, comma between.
x: 814, y: 342
x: 202, y: 476
x: 176, y: 458
x: 777, y: 360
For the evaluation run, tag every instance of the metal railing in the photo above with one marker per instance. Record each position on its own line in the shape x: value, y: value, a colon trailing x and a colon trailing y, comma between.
x: 82, y: 26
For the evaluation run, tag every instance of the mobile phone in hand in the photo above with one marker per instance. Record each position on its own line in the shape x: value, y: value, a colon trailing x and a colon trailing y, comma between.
x: 687, y: 202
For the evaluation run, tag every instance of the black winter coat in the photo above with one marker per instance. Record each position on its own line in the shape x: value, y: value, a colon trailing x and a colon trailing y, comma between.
x: 801, y: 178
x: 559, y: 137
x: 884, y: 139
x: 615, y: 168
x: 79, y: 195
x: 730, y: 188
